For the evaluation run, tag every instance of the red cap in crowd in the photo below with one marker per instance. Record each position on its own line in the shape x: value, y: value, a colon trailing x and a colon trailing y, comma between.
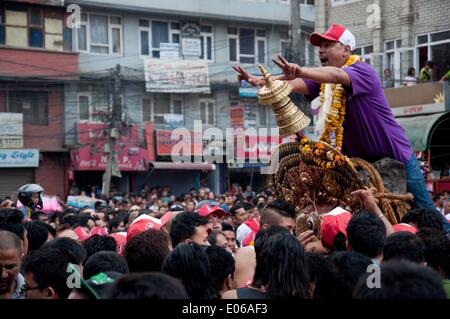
x: 145, y: 222
x: 333, y: 223
x: 121, y: 240
x: 82, y: 233
x: 206, y: 210
x: 404, y: 227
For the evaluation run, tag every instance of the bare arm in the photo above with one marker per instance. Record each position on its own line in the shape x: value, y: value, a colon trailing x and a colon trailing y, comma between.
x: 327, y: 74
x: 369, y: 202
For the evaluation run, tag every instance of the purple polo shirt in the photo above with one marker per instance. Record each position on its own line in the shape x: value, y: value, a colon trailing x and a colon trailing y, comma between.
x: 370, y: 129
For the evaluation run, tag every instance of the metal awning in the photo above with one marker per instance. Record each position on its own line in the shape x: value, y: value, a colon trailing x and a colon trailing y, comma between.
x: 182, y: 166
x: 420, y: 129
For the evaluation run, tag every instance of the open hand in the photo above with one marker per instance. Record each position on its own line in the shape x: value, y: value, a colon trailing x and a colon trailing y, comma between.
x: 307, y: 237
x: 245, y: 75
x: 290, y: 70
x: 367, y: 199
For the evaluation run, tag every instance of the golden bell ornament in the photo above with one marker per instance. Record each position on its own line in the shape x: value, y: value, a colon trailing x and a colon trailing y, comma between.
x: 275, y: 93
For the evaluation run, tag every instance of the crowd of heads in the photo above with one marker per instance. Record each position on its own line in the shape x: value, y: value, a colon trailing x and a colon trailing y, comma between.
x: 201, y: 246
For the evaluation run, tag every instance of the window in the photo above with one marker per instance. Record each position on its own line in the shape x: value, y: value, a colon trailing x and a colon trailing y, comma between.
x: 434, y: 47
x: 207, y: 111
x: 247, y: 45
x: 93, y: 103
x: 35, y: 30
x: 365, y: 53
x: 2, y: 25
x: 310, y: 2
x: 100, y: 34
x: 335, y: 3
x: 155, y: 106
x: 33, y: 106
x: 153, y: 33
x: 392, y: 59
x: 206, y: 42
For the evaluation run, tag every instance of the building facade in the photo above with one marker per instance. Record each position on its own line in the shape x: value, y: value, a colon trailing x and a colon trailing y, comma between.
x: 218, y: 34
x: 35, y: 63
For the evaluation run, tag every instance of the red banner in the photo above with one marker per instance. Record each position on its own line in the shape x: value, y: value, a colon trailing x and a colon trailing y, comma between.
x: 92, y: 157
x: 165, y: 144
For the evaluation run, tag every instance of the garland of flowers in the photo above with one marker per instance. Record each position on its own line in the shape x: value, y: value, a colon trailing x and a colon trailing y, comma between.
x: 333, y: 124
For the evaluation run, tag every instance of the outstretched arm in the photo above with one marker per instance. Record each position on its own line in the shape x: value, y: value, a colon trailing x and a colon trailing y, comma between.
x: 327, y: 74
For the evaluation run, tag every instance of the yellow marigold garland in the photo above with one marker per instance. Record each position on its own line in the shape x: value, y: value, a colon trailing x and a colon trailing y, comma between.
x: 333, y: 123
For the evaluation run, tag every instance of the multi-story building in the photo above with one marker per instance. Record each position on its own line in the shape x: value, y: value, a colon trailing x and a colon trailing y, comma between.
x: 35, y: 63
x: 399, y: 35
x: 218, y: 34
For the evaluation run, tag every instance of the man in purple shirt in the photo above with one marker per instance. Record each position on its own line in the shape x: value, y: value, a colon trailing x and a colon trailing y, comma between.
x: 370, y: 129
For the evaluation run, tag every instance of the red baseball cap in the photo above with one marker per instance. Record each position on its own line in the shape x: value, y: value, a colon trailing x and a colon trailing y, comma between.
x: 404, y: 227
x: 145, y: 222
x: 97, y: 230
x: 82, y: 233
x: 121, y: 240
x: 336, y: 33
x: 333, y: 223
x: 206, y: 210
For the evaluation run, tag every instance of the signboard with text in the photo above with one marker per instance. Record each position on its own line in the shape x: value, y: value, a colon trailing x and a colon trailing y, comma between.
x: 19, y: 158
x: 182, y: 76
x: 11, y: 130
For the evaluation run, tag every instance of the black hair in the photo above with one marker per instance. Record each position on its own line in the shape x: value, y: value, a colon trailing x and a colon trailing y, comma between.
x: 366, y: 234
x: 411, y: 71
x: 247, y: 206
x: 424, y: 218
x: 314, y: 261
x: 183, y: 226
x: 275, y: 208
x: 222, y: 265
x: 11, y: 220
x: 69, y: 216
x: 69, y: 248
x: 50, y: 229
x: 190, y: 264
x: 227, y: 227
x: 97, y: 243
x: 49, y: 269
x: 115, y: 222
x: 401, y: 279
x: 404, y: 245
x: 339, y: 242
x: 152, y: 285
x: 234, y: 208
x: 437, y: 250
x: 104, y: 261
x: 37, y: 234
x: 339, y: 274
x: 146, y: 251
x: 281, y: 266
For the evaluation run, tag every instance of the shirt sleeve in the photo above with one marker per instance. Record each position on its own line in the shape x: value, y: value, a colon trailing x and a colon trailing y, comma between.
x: 313, y: 89
x: 361, y: 76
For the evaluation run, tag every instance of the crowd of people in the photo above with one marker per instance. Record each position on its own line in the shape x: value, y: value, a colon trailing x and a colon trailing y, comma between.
x: 240, y: 245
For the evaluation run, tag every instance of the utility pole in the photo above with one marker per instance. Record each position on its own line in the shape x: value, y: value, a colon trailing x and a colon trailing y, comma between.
x: 115, y: 120
x: 296, y: 40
